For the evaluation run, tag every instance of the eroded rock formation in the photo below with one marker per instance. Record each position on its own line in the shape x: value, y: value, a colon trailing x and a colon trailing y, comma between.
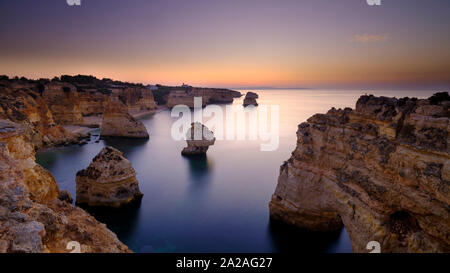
x: 185, y: 96
x: 117, y: 122
x: 110, y: 180
x: 250, y: 99
x: 62, y: 99
x: 198, y: 139
x: 23, y: 104
x: 32, y: 219
x: 381, y: 170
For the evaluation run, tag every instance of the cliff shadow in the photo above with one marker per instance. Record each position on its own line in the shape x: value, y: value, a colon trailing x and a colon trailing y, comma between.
x: 122, y: 221
x: 127, y: 146
x: 291, y: 239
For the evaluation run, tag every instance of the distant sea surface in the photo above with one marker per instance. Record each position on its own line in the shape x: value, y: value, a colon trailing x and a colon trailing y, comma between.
x: 218, y: 203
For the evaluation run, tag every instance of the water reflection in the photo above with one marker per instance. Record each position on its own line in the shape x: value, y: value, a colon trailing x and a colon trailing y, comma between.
x: 287, y: 238
x: 121, y: 221
x: 127, y: 146
x: 200, y: 167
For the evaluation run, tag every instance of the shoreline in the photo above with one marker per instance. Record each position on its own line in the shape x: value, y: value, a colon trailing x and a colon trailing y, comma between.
x: 92, y: 123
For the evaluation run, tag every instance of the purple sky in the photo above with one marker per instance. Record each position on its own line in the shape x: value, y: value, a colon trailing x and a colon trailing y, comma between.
x: 232, y: 43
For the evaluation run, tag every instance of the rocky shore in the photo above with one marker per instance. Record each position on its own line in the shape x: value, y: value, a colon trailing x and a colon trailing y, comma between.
x: 381, y: 170
x: 32, y: 219
x: 35, y: 216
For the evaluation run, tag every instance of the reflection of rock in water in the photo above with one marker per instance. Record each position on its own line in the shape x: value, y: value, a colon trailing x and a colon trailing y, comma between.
x: 166, y: 247
x: 199, y: 166
x: 287, y: 238
x: 122, y: 221
x: 126, y: 145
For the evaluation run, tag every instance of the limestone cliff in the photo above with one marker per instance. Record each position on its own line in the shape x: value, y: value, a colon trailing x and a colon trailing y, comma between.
x: 117, y: 122
x: 381, y: 170
x: 62, y: 99
x: 185, y: 96
x: 110, y: 180
x: 136, y: 99
x: 31, y: 218
x: 22, y: 103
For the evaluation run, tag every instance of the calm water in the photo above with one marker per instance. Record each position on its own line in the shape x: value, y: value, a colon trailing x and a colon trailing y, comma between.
x: 218, y: 203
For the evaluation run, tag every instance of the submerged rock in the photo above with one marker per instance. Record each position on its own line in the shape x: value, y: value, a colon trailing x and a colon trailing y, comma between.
x: 117, y: 122
x: 382, y: 171
x: 198, y: 139
x: 110, y: 180
x: 250, y: 99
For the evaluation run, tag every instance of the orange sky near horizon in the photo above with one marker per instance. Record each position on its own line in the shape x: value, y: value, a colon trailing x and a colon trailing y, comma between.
x: 303, y: 43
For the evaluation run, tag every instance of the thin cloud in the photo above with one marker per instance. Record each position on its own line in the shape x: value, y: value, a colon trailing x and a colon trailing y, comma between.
x: 370, y: 38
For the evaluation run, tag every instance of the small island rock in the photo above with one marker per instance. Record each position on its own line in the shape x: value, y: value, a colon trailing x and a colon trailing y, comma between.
x: 198, y: 139
x: 110, y: 180
x: 250, y: 99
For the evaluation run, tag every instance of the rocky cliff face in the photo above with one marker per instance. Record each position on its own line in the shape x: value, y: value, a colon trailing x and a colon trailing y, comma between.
x: 62, y: 99
x: 381, y: 170
x: 136, y: 99
x: 91, y: 102
x: 117, y: 122
x: 185, y: 96
x: 22, y: 103
x: 31, y: 218
x: 110, y: 180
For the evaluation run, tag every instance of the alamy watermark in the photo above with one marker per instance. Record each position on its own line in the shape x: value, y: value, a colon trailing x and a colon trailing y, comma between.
x: 374, y: 2
x: 235, y: 123
x: 73, y: 2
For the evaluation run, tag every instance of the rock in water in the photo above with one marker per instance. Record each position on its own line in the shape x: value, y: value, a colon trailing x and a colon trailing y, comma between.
x: 250, y: 99
x: 110, y: 180
x: 198, y: 139
x: 382, y: 171
x: 32, y: 219
x: 117, y: 122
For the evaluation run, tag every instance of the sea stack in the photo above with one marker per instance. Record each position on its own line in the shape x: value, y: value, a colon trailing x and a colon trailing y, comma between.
x: 117, y: 122
x: 250, y: 99
x: 381, y: 170
x: 110, y: 180
x: 198, y: 139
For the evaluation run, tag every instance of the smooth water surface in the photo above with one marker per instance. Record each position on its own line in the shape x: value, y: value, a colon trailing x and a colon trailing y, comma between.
x: 217, y: 203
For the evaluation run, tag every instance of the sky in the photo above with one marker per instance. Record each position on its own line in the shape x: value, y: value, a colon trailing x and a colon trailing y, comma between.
x: 232, y: 43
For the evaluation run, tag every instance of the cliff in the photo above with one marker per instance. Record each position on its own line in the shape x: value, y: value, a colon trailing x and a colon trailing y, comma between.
x: 31, y: 218
x: 117, y: 122
x: 94, y: 93
x: 23, y: 104
x: 62, y: 99
x: 381, y: 170
x: 185, y: 96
